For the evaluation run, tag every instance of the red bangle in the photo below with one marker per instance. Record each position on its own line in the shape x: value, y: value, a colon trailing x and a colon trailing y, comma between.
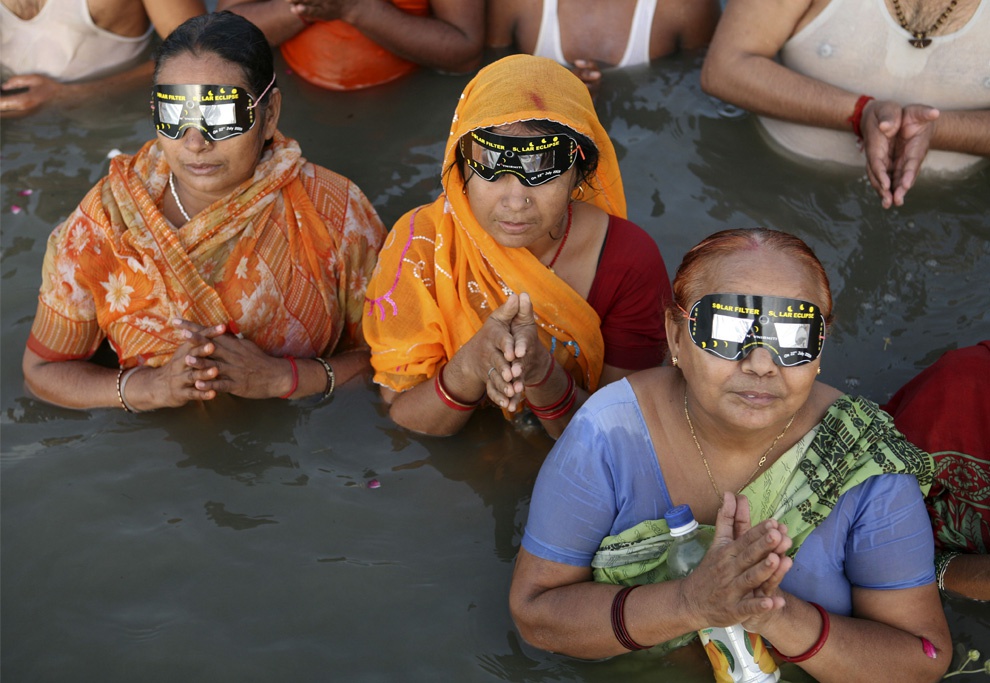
x: 619, y: 620
x: 546, y: 376
x: 448, y: 398
x: 857, y: 116
x: 561, y: 411
x: 295, y: 377
x: 822, y: 637
x: 556, y: 404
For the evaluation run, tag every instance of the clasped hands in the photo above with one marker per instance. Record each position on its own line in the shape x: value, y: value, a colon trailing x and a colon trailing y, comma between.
x: 506, y: 354
x: 738, y: 581
x: 895, y: 140
x: 211, y: 361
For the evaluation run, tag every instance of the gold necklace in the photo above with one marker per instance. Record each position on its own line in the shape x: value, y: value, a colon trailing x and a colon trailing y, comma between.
x: 718, y: 492
x: 921, y: 39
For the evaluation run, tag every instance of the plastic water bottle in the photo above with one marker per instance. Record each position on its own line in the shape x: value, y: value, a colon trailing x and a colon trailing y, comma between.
x: 737, y: 656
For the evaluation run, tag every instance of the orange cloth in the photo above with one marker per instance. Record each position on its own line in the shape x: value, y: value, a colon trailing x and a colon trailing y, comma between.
x: 285, y: 259
x: 337, y: 56
x: 440, y: 274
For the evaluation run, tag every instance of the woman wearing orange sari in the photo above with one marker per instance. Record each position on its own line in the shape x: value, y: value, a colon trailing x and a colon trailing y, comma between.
x: 522, y: 282
x: 212, y: 259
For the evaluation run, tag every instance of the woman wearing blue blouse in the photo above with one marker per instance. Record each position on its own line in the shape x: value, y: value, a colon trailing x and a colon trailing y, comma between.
x: 836, y: 570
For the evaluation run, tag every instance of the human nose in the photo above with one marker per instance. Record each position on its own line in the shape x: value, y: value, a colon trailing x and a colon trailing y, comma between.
x: 515, y: 193
x: 194, y: 140
x: 759, y: 362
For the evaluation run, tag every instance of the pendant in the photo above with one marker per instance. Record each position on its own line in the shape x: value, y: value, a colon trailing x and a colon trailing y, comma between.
x: 920, y: 41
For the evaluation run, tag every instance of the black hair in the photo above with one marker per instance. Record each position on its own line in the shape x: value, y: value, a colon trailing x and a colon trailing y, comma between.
x: 587, y: 158
x: 230, y: 37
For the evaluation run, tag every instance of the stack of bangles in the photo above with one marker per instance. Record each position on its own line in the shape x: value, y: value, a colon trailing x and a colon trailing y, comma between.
x: 942, y: 561
x: 559, y: 408
x: 448, y: 399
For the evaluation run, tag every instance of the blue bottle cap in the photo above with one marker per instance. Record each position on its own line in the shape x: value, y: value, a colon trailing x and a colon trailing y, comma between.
x: 679, y: 516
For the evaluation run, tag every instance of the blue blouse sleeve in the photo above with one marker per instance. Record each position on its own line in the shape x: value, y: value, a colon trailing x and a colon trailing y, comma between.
x: 573, y: 503
x: 891, y: 544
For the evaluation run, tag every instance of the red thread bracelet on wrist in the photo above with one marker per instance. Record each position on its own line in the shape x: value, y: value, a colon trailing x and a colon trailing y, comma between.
x: 857, y: 116
x: 813, y: 650
x: 295, y: 377
x: 448, y: 399
x: 546, y: 376
x: 619, y: 620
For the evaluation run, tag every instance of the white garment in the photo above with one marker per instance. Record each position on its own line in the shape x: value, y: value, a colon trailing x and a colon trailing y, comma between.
x: 63, y: 43
x: 637, y: 47
x: 856, y: 45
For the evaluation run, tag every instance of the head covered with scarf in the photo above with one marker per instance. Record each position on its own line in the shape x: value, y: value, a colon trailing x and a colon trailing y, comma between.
x: 441, y: 274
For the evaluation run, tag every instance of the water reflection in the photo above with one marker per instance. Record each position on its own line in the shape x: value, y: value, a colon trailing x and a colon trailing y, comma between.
x: 119, y: 544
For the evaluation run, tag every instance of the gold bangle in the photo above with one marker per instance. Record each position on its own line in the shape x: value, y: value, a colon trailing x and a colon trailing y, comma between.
x: 331, y: 377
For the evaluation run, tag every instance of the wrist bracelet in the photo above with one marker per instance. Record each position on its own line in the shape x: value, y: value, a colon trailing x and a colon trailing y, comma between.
x: 546, y: 376
x: 619, y: 620
x: 331, y: 377
x: 813, y: 650
x: 941, y: 564
x: 122, y: 378
x: 448, y: 398
x: 295, y: 378
x: 559, y: 408
x: 857, y: 116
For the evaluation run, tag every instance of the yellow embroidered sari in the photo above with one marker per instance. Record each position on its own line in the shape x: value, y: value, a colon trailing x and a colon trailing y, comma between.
x: 284, y: 260
x: 440, y: 275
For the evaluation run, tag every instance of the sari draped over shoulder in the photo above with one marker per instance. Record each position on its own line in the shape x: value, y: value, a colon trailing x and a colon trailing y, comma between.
x: 854, y: 441
x: 440, y: 275
x: 283, y: 260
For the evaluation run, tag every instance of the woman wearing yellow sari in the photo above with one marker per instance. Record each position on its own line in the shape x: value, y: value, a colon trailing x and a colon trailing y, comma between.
x: 523, y: 281
x: 213, y: 258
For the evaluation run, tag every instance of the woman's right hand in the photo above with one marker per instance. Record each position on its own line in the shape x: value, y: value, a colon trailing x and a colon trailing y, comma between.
x: 736, y: 581
x: 174, y: 383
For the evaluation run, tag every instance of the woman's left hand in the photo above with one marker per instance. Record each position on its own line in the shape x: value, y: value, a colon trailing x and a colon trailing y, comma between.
x: 242, y: 368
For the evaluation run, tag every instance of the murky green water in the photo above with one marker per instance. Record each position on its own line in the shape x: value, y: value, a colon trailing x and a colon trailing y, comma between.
x: 239, y: 542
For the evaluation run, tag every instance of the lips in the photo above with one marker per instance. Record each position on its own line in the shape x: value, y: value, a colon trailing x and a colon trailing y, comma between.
x: 514, y: 228
x: 756, y: 397
x: 201, y: 168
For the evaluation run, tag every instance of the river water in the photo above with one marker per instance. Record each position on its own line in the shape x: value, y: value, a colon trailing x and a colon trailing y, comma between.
x: 241, y: 542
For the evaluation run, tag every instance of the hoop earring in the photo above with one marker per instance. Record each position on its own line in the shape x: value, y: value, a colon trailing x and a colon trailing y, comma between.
x: 580, y: 188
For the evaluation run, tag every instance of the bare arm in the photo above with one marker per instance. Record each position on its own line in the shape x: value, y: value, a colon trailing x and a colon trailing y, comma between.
x: 43, y: 91
x: 274, y: 17
x: 881, y: 641
x: 740, y: 67
x: 968, y: 576
x: 81, y: 384
x: 450, y: 39
x: 558, y: 608
x: 166, y: 15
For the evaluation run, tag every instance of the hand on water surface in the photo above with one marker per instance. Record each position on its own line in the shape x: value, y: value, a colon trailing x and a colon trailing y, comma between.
x: 738, y: 578
x: 40, y: 91
x: 895, y: 141
x: 236, y: 366
x: 589, y: 73
x: 175, y: 383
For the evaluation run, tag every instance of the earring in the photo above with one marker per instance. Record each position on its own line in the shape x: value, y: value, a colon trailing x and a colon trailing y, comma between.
x: 580, y: 188
x: 673, y: 361
x: 819, y: 370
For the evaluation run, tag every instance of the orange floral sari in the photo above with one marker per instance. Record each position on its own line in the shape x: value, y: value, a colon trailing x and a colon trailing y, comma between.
x: 440, y: 275
x: 283, y: 260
